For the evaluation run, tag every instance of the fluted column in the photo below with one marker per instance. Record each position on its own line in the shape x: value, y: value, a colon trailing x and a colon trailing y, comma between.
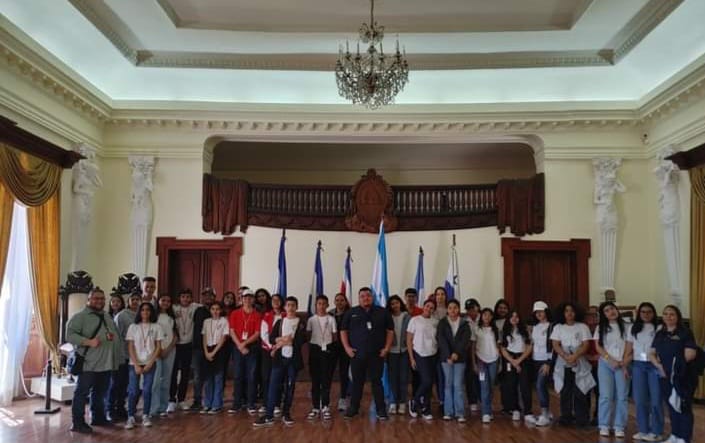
x: 85, y: 181
x: 142, y: 212
x: 606, y: 186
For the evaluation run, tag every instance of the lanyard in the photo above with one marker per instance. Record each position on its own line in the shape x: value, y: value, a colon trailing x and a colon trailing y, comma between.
x: 323, y: 329
x: 145, y: 336
x: 215, y: 330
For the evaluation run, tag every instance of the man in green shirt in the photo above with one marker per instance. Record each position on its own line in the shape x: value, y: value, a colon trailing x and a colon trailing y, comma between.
x: 102, y: 355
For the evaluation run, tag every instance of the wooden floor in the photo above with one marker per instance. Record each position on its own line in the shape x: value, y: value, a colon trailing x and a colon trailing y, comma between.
x: 19, y: 424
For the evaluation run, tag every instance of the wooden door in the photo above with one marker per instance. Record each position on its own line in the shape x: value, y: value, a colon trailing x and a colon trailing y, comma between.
x: 197, y: 264
x: 551, y: 271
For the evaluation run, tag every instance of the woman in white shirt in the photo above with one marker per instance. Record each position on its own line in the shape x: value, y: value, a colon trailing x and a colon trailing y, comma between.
x: 215, y: 332
x: 485, y: 356
x: 612, y: 370
x: 646, y: 387
x: 422, y: 346
x: 165, y: 364
x: 516, y: 348
x: 322, y: 332
x: 541, y: 357
x: 572, y: 375
x: 143, y: 338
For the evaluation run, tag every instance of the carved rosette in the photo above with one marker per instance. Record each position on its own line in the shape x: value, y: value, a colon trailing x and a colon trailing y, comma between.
x: 77, y: 282
x: 127, y: 284
x: 372, y: 200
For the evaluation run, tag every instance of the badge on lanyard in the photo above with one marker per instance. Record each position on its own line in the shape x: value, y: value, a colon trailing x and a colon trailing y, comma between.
x: 324, y: 347
x: 244, y: 335
x: 369, y: 325
x: 482, y: 376
x: 509, y: 367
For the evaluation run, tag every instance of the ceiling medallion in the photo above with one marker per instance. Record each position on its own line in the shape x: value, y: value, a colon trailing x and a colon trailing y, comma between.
x: 372, y: 78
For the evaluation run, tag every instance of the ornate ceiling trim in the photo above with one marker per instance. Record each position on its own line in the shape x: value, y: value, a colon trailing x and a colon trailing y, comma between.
x: 626, y: 39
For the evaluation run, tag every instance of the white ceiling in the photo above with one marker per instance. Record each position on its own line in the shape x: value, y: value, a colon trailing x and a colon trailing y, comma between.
x: 674, y: 44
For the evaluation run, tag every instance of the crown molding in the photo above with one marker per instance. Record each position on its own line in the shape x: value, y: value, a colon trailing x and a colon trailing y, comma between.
x: 125, y: 41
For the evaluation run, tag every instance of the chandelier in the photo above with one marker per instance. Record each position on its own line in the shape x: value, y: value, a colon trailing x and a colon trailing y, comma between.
x: 371, y: 78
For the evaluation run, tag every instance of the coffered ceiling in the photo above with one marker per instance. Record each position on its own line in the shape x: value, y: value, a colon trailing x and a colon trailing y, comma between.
x: 576, y: 52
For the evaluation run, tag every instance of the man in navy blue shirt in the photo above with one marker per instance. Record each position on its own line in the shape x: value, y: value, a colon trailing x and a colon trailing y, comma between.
x: 367, y: 333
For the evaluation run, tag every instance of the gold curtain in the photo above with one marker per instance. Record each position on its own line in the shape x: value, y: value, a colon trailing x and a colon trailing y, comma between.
x: 6, y: 205
x: 697, y: 260
x: 31, y: 180
x: 43, y: 224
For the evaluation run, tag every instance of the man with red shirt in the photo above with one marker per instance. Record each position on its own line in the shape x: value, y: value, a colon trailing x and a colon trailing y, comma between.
x: 412, y: 298
x: 245, y: 331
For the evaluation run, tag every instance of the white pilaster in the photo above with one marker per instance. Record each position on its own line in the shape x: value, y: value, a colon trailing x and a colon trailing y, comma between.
x: 85, y: 181
x: 142, y: 212
x: 668, y: 176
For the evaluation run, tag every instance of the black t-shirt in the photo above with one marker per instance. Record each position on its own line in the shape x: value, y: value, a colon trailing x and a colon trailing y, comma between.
x: 367, y: 329
x: 199, y: 316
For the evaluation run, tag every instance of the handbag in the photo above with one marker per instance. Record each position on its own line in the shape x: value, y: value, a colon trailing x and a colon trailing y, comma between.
x: 74, y: 364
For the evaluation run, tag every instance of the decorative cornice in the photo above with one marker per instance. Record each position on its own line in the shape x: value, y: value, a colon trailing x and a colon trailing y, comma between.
x: 119, y: 34
x: 678, y: 92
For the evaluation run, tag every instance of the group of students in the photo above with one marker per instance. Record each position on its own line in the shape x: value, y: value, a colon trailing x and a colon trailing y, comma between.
x: 260, y: 337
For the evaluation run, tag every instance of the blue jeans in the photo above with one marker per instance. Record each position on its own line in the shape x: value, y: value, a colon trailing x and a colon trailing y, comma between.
x: 245, y: 367
x: 646, y: 389
x: 283, y: 374
x: 487, y: 373
x: 95, y: 384
x: 454, y: 399
x: 614, y: 390
x: 133, y: 391
x: 398, y: 365
x: 162, y: 383
x: 541, y: 383
x: 213, y: 390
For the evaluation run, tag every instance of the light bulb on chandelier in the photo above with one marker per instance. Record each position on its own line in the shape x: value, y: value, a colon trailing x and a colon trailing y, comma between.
x: 371, y: 78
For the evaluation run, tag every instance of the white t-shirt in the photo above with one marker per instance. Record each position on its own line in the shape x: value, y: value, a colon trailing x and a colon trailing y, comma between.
x: 167, y: 324
x: 289, y: 326
x: 144, y: 337
x: 424, y: 342
x: 454, y: 325
x: 214, y: 330
x: 613, y: 341
x: 571, y: 336
x: 642, y: 342
x: 322, y: 328
x: 539, y: 336
x: 515, y: 343
x: 184, y: 322
x: 485, y: 344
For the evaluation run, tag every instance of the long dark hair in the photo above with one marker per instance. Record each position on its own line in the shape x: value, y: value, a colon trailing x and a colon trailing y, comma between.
x: 560, y: 312
x: 638, y: 325
x: 603, y: 326
x: 397, y: 298
x: 170, y: 311
x: 481, y: 322
x: 267, y: 299
x: 504, y: 302
x: 508, y: 328
x: 152, y: 313
x: 111, y: 312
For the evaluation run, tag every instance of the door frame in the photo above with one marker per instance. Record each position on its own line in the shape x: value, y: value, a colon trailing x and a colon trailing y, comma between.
x: 165, y: 245
x: 580, y: 246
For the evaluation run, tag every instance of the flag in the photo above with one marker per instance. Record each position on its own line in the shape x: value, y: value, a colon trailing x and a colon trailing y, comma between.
x: 346, y: 283
x: 419, y: 283
x: 380, y: 283
x: 317, y: 280
x: 280, y: 287
x: 452, y: 283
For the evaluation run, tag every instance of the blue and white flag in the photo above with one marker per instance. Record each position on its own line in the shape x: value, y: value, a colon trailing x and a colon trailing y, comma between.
x: 346, y: 283
x: 316, y: 281
x: 452, y: 283
x: 419, y: 282
x: 380, y: 283
x: 280, y: 287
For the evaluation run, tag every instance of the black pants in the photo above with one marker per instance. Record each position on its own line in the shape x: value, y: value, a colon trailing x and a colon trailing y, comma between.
x: 472, y: 384
x: 426, y: 368
x: 362, y: 365
x: 182, y: 363
x: 198, y: 363
x: 575, y: 406
x: 94, y: 384
x: 515, y: 383
x: 117, y: 393
x: 342, y: 362
x: 681, y: 422
x: 320, y: 364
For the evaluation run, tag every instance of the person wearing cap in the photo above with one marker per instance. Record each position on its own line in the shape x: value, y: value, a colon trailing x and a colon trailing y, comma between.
x: 198, y: 361
x: 541, y: 358
x: 472, y: 382
x: 245, y: 326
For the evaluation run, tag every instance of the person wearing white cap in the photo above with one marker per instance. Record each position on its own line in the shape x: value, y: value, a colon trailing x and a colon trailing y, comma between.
x: 541, y: 356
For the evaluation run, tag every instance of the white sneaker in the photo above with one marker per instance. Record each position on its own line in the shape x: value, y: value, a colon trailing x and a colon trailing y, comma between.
x: 529, y: 419
x: 604, y: 432
x: 183, y: 406
x: 402, y: 409
x: 427, y: 416
x: 543, y: 421
x: 313, y: 414
x: 516, y: 416
x: 262, y: 410
x: 130, y: 423
x: 462, y: 419
x: 146, y: 421
x: 342, y: 404
x: 671, y: 439
x: 486, y: 418
x: 652, y: 437
x: 277, y: 411
x: 171, y: 407
x: 474, y: 407
x: 619, y: 433
x: 446, y: 417
x: 392, y: 408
